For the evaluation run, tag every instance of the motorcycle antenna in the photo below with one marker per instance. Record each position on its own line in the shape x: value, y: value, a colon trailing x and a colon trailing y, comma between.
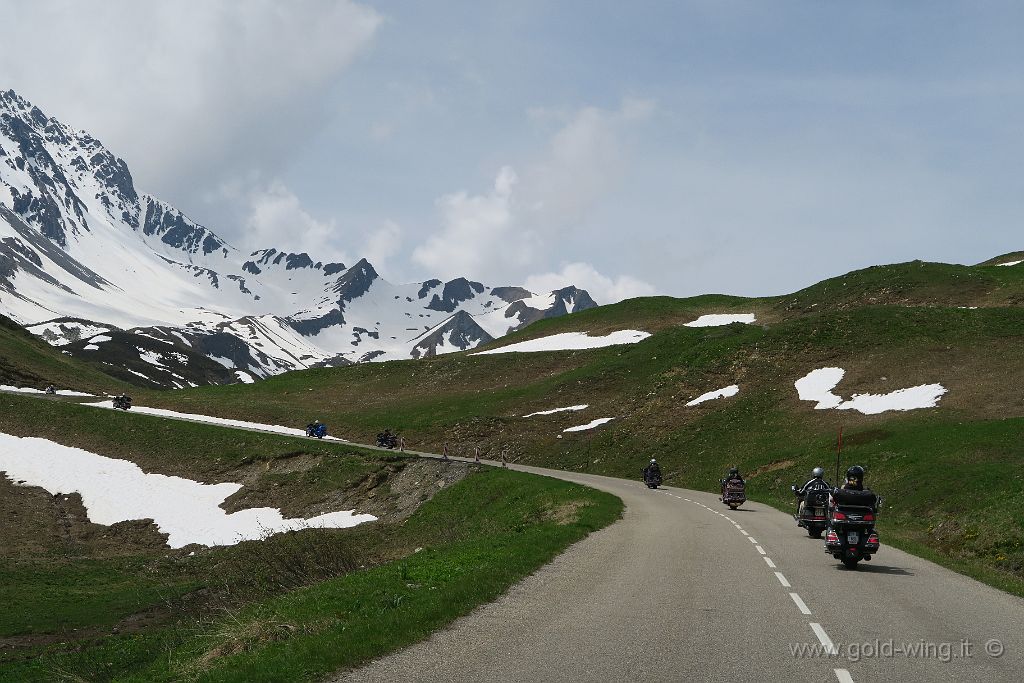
x: 839, y: 450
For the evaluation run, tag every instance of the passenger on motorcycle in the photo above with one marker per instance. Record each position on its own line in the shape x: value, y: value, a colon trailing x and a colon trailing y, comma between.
x: 854, y: 479
x: 815, y: 483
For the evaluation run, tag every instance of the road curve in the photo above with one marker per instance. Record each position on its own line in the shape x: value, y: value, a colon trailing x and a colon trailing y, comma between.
x: 683, y: 589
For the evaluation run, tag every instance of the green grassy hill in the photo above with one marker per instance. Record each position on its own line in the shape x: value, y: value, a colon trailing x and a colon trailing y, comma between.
x: 950, y: 473
x: 85, y: 602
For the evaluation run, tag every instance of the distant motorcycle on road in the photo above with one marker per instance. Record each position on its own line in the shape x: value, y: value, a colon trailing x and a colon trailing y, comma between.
x: 387, y: 440
x: 734, y: 493
x: 316, y: 429
x: 123, y: 402
x: 652, y: 479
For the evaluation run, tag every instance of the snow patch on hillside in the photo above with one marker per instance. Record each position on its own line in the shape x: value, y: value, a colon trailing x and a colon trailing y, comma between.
x: 571, y: 341
x: 590, y: 425
x: 118, y: 490
x: 716, y: 319
x: 818, y: 385
x: 1009, y: 263
x: 30, y: 390
x: 730, y: 390
x: 161, y: 412
x: 558, y: 410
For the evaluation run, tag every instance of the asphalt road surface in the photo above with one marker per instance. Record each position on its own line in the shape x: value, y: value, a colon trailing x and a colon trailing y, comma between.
x: 684, y: 589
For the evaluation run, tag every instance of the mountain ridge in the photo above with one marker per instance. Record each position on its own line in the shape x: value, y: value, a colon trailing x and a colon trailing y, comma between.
x: 79, y: 241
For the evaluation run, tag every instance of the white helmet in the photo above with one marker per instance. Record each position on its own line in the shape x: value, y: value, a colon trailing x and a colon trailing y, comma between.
x: 653, y: 461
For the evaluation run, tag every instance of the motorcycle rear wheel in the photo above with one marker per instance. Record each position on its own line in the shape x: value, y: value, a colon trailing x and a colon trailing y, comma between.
x: 851, y: 562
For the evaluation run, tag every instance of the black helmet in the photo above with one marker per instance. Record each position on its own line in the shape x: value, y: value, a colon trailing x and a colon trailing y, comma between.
x: 817, y: 473
x: 733, y: 470
x: 855, y: 472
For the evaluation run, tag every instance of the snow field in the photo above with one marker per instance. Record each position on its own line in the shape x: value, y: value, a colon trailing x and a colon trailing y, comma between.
x: 570, y: 341
x: 716, y: 319
x: 558, y: 410
x: 730, y: 390
x: 818, y: 384
x: 590, y: 425
x: 118, y: 490
x: 161, y: 412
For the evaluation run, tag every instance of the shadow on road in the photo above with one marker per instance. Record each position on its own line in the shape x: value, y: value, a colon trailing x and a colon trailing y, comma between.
x: 866, y: 568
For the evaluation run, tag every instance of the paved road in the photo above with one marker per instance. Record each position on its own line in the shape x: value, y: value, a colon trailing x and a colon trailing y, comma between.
x: 683, y: 589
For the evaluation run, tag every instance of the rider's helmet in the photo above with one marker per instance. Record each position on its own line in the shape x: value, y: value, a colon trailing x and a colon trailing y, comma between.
x: 856, y: 474
x: 733, y: 470
x: 817, y: 473
x: 653, y: 461
x: 316, y: 422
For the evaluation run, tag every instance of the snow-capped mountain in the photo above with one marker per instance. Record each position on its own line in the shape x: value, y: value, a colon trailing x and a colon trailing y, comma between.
x: 83, y: 254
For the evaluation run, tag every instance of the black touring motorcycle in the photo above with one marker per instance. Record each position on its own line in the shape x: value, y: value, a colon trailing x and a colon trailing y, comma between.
x: 851, y: 535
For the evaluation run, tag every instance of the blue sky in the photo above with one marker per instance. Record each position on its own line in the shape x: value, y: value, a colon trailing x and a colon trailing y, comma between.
x: 650, y: 147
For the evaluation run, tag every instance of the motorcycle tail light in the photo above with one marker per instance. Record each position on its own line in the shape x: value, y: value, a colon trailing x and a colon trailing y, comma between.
x: 873, y: 539
x: 838, y: 515
x: 869, y: 517
x: 832, y: 537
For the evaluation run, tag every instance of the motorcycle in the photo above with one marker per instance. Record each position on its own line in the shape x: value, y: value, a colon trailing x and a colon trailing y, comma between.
x: 123, y: 402
x: 734, y: 493
x: 51, y: 390
x: 851, y: 535
x: 652, y: 479
x: 318, y: 430
x: 812, y: 515
x: 387, y: 440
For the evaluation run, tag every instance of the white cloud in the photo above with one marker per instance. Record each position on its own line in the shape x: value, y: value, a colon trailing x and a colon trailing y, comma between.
x: 583, y: 161
x: 478, y: 235
x: 604, y: 289
x: 494, y: 236
x: 190, y: 93
x: 381, y: 244
x: 276, y: 218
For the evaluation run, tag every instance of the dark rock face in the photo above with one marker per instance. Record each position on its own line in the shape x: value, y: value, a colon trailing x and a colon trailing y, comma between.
x: 579, y: 299
x: 175, y: 230
x: 460, y: 331
x: 355, y: 282
x: 511, y: 294
x: 455, y: 292
x: 427, y: 286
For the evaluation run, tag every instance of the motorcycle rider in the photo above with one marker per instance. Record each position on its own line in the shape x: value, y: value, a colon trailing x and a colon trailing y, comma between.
x: 734, y: 475
x: 652, y: 470
x: 815, y: 483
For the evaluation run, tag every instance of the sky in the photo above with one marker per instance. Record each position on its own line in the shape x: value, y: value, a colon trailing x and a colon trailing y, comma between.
x: 680, y: 148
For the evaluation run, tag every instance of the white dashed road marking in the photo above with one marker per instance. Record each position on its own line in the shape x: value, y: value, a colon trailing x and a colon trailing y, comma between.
x: 823, y: 637
x: 800, y: 604
x: 843, y: 675
x: 782, y: 579
x: 760, y: 550
x: 769, y: 561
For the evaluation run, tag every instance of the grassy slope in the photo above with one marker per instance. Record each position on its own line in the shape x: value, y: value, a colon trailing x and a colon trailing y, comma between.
x: 292, y: 607
x: 889, y: 327
x: 27, y: 361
